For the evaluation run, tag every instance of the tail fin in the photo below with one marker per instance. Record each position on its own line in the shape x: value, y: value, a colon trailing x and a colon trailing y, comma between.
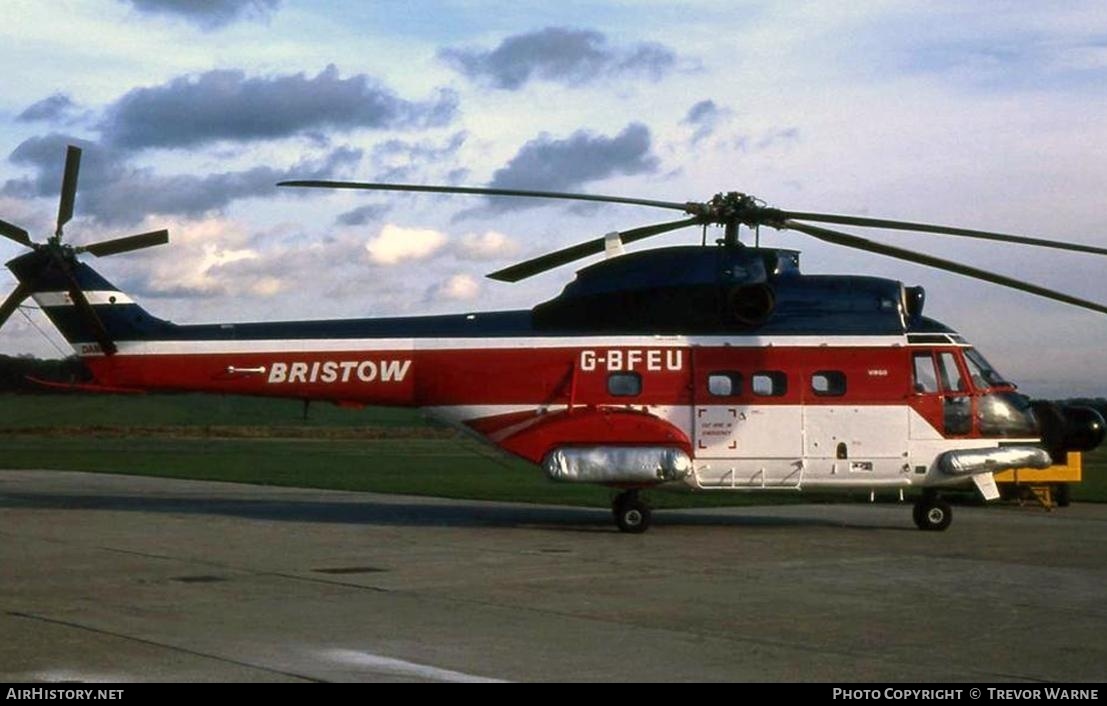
x: 123, y: 320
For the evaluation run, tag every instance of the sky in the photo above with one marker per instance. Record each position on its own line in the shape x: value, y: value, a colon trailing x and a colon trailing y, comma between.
x: 984, y: 115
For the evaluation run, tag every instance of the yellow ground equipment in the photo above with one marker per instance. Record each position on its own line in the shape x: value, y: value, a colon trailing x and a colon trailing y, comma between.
x: 1048, y: 486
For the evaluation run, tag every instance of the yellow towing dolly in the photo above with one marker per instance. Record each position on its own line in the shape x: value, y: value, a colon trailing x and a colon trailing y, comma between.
x: 1050, y: 487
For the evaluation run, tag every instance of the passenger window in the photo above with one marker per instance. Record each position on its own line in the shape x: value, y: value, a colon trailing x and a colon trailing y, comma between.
x: 724, y: 384
x: 828, y: 383
x: 926, y: 380
x: 772, y: 383
x: 624, y: 384
x: 951, y: 375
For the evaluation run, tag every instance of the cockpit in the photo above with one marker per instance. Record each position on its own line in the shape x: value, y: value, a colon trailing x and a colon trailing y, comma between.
x: 968, y: 394
x: 983, y: 375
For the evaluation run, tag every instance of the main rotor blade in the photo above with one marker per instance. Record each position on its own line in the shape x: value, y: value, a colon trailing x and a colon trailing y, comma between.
x: 127, y: 244
x: 852, y: 241
x: 13, y: 301
x: 69, y: 186
x: 16, y: 233
x: 481, y: 191
x: 941, y: 230
x: 572, y: 253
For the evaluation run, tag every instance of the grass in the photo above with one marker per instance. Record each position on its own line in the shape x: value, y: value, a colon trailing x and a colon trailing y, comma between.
x: 1093, y: 487
x: 188, y: 410
x: 269, y: 442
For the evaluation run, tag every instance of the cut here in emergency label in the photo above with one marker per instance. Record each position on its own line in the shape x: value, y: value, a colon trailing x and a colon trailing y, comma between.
x: 335, y: 371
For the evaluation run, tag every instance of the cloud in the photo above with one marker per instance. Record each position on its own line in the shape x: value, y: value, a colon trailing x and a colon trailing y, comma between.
x: 772, y: 138
x: 112, y: 191
x: 199, y: 249
x: 458, y: 287
x: 395, y: 244
x: 51, y: 108
x: 228, y: 105
x: 397, y: 160
x: 208, y: 14
x: 559, y: 54
x: 490, y: 245
x: 548, y: 164
x: 704, y: 117
x: 362, y: 215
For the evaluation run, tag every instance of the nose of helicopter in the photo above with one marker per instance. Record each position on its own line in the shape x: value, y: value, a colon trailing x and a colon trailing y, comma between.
x: 1069, y: 428
x: 1085, y: 428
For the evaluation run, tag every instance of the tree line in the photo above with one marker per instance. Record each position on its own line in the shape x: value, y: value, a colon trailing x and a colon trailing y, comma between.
x: 15, y: 371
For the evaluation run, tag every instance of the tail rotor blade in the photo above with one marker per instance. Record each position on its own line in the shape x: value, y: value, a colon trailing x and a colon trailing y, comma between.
x: 99, y: 332
x: 549, y: 261
x: 127, y: 244
x: 69, y: 186
x: 16, y: 233
x: 13, y: 301
x: 853, y: 241
x: 87, y: 313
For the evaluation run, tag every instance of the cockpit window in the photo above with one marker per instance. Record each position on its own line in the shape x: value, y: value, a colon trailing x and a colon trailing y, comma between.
x: 1006, y: 414
x: 982, y: 373
x: 951, y: 376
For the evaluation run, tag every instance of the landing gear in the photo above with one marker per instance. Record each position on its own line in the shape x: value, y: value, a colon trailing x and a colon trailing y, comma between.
x: 631, y: 514
x: 931, y: 513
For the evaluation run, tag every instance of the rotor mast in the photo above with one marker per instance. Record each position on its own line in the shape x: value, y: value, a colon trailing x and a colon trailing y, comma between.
x: 733, y: 209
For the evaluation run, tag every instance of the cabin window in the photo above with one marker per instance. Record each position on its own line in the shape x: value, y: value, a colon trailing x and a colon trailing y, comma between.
x: 724, y: 383
x: 769, y: 383
x: 624, y: 384
x: 828, y: 383
x: 926, y: 379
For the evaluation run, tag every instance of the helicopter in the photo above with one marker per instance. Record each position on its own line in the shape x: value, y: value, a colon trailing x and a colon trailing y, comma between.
x: 718, y: 366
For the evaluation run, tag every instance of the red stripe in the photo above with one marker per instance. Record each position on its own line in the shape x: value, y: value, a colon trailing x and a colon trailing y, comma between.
x: 544, y: 376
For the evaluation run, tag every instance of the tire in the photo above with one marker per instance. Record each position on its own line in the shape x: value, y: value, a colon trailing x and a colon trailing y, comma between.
x: 1062, y: 494
x: 932, y: 515
x: 632, y: 517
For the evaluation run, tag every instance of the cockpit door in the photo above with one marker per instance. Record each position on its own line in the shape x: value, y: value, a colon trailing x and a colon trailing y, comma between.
x: 942, y: 393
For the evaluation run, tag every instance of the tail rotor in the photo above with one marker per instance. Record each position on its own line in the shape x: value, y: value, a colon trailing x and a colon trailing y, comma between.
x: 62, y: 257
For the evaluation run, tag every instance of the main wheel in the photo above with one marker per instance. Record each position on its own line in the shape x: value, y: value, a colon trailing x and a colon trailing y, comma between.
x: 631, y: 514
x: 633, y: 517
x: 932, y: 514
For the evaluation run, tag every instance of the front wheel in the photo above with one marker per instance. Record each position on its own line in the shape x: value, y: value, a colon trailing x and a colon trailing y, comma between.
x: 932, y: 515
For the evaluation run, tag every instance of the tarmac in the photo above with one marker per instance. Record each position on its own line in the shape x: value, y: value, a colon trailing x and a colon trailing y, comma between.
x: 125, y: 579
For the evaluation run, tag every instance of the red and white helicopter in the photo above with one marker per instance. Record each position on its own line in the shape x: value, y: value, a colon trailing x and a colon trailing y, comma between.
x: 719, y: 366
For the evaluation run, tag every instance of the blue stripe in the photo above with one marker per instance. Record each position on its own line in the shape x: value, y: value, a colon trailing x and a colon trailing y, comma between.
x: 681, y: 294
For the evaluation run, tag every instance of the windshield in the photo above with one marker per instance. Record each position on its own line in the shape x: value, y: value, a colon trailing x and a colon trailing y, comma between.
x: 1006, y: 414
x: 982, y: 373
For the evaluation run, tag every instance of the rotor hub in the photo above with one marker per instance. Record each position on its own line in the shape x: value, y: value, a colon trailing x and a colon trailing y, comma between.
x: 732, y: 209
